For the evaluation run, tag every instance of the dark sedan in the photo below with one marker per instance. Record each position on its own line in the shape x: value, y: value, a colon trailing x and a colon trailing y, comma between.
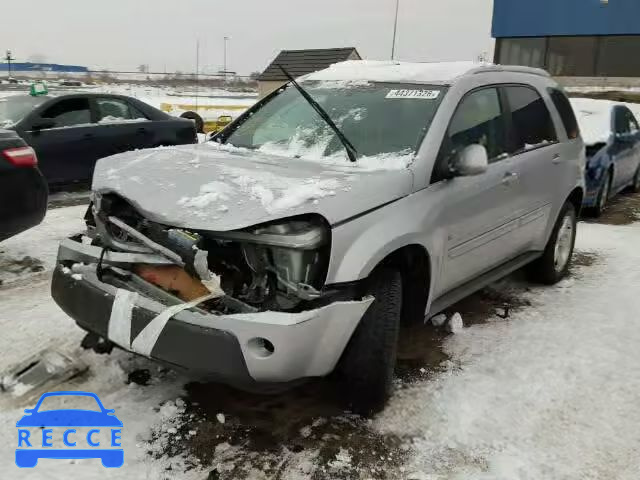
x: 23, y: 190
x: 70, y: 133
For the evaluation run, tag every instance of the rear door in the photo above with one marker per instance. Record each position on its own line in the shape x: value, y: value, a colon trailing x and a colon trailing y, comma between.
x: 121, y: 127
x: 66, y: 150
x: 543, y: 168
x: 480, y: 213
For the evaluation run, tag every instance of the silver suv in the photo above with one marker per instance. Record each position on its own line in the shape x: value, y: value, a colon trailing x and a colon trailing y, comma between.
x: 296, y: 242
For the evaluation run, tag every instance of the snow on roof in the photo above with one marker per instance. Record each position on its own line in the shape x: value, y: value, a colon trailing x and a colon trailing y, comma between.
x: 594, y: 119
x: 391, y: 71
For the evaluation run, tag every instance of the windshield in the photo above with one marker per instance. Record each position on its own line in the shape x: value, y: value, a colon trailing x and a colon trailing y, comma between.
x: 378, y: 119
x: 14, y: 109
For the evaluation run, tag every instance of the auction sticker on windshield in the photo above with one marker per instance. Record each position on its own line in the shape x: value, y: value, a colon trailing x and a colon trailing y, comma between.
x: 417, y: 94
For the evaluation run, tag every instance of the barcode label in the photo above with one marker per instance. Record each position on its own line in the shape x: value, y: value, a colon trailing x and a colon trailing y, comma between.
x: 415, y: 94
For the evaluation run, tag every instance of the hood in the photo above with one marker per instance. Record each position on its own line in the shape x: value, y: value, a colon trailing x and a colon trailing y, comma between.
x: 218, y: 187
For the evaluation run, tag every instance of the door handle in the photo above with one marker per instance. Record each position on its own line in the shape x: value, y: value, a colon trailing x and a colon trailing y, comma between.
x: 142, y: 130
x: 509, y: 178
x: 88, y: 136
x: 556, y: 159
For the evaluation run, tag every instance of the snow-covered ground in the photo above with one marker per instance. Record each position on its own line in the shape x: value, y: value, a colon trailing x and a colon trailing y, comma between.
x: 550, y: 393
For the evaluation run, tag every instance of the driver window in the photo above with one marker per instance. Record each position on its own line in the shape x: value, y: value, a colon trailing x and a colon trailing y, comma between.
x: 621, y: 121
x: 283, y: 124
x: 69, y: 113
x: 477, y: 120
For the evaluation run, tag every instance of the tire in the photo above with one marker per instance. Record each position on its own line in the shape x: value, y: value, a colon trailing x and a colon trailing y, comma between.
x: 367, y: 365
x: 603, y: 195
x: 556, y: 259
x: 635, y: 187
x: 197, y: 119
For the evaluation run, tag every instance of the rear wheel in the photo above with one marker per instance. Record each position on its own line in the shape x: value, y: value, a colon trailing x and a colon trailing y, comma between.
x: 556, y: 259
x: 367, y: 365
x: 197, y: 119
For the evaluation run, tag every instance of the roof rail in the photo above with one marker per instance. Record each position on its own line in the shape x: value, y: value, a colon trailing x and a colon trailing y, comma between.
x: 510, y: 68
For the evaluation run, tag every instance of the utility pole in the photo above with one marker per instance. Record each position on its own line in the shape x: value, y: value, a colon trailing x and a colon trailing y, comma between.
x: 9, y: 59
x: 224, y: 65
x: 395, y: 31
x: 197, y: 69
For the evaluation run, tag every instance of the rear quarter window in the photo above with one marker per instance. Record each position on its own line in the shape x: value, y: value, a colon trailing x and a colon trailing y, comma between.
x: 565, y: 111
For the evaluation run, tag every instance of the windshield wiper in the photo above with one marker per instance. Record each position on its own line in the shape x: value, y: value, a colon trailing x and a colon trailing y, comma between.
x: 348, y: 146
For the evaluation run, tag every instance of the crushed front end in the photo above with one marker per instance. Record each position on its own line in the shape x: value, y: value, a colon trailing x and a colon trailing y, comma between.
x: 247, y: 307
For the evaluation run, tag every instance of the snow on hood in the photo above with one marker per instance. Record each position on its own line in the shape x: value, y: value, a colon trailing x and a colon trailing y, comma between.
x: 391, y: 71
x: 217, y: 187
x: 594, y: 119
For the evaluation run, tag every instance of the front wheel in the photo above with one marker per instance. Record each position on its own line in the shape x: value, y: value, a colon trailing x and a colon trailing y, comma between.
x: 367, y: 365
x: 556, y: 259
x: 603, y: 195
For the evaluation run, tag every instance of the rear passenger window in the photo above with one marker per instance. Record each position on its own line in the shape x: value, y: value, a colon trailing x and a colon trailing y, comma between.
x: 565, y: 110
x: 136, y: 113
x: 477, y: 120
x: 532, y: 124
x: 112, y: 109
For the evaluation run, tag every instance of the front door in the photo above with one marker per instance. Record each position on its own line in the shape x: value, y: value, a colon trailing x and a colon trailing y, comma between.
x: 65, y: 148
x: 480, y: 214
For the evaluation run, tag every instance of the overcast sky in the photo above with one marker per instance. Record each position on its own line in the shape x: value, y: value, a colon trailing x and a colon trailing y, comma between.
x: 122, y: 34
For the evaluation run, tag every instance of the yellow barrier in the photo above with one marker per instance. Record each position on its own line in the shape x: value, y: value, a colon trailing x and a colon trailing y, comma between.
x: 170, y: 107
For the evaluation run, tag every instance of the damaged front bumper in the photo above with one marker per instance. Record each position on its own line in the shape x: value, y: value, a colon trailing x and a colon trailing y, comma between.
x: 246, y: 350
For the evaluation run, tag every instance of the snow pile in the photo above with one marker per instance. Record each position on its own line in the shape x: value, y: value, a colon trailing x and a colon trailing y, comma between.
x: 552, y: 393
x: 111, y: 119
x: 39, y: 244
x: 594, y: 119
x: 391, y: 71
x: 209, y: 193
x: 277, y: 194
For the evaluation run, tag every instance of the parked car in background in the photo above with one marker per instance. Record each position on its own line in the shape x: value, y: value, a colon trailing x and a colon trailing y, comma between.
x: 306, y: 237
x: 23, y: 189
x: 612, y: 138
x: 70, y: 133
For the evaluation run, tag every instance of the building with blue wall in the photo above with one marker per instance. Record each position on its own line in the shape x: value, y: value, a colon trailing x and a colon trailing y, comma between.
x: 42, y: 67
x: 575, y: 38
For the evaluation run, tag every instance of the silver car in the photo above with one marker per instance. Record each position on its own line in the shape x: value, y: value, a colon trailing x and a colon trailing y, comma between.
x: 296, y: 242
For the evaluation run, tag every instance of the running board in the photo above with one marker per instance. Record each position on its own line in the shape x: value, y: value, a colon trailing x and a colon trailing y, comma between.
x: 458, y: 293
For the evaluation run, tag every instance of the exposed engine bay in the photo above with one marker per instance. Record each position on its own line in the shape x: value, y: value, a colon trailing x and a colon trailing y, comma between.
x: 279, y: 266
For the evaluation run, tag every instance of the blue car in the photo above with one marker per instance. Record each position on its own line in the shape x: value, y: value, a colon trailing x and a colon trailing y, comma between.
x: 28, y: 453
x: 612, y: 137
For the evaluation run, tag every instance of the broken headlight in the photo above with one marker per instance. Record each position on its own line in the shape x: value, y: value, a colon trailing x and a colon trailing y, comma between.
x: 288, y: 259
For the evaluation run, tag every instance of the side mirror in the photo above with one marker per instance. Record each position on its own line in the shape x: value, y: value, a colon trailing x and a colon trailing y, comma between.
x: 43, y: 124
x: 29, y: 410
x: 472, y: 160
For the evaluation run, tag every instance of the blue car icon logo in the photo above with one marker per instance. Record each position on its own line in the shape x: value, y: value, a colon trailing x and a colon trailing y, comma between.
x: 41, y: 431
